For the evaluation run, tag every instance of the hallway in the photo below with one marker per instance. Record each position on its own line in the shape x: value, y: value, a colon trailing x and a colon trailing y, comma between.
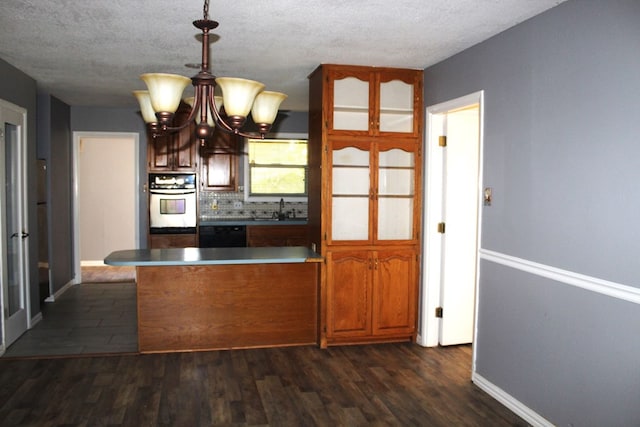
x: 90, y: 318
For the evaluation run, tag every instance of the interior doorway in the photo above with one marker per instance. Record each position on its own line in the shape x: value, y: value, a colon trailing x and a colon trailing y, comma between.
x: 106, y: 197
x: 14, y: 224
x: 451, y: 221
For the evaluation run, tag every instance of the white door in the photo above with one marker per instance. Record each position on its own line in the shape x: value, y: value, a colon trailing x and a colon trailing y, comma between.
x: 452, y: 197
x: 14, y: 226
x: 460, y: 216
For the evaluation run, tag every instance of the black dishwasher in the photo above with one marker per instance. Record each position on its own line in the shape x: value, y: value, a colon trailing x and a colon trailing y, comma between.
x: 223, y: 236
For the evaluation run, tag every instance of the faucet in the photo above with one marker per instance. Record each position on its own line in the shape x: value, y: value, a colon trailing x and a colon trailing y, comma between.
x: 281, y: 211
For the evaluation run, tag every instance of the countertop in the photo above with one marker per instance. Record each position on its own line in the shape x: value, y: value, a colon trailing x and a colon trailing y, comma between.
x: 251, y: 221
x: 212, y: 256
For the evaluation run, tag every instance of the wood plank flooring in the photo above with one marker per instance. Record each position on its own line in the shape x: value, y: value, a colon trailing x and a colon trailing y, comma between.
x: 384, y: 385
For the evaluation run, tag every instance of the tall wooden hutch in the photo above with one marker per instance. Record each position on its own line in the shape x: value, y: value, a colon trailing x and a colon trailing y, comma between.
x: 365, y: 138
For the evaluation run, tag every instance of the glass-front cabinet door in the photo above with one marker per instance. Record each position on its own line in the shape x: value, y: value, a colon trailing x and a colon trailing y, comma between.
x: 373, y: 192
x: 370, y: 101
x: 396, y: 104
x: 395, y: 195
x: 350, y: 192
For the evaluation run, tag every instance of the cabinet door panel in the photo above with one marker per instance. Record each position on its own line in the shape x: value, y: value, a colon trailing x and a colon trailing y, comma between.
x: 394, y: 304
x: 348, y: 293
x: 185, y: 150
x: 351, y: 104
x: 395, y: 218
x: 396, y: 185
x: 350, y: 191
x: 396, y: 106
x: 219, y: 171
x: 159, y: 149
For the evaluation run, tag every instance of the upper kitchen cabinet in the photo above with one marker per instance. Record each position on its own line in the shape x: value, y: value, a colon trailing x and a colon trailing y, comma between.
x: 175, y: 152
x: 374, y: 101
x: 219, y: 159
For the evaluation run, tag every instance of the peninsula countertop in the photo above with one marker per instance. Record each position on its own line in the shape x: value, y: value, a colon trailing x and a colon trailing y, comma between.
x: 212, y: 256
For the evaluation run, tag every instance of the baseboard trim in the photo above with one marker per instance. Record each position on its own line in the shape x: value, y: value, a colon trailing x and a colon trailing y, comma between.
x: 605, y: 287
x: 52, y: 298
x: 92, y: 263
x: 35, y: 320
x: 510, y: 402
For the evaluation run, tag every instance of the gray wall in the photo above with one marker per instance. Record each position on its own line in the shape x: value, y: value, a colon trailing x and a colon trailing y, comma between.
x: 60, y: 174
x: 562, y: 154
x: 19, y: 89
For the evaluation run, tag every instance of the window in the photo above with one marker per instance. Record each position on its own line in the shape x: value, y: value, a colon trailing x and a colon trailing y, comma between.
x: 276, y: 168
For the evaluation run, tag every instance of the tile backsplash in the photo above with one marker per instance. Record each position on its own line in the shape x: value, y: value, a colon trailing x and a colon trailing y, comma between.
x: 232, y: 205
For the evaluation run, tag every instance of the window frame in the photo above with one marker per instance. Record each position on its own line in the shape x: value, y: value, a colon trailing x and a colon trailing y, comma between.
x: 247, y: 182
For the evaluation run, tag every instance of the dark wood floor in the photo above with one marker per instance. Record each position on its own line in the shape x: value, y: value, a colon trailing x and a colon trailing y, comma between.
x: 385, y: 385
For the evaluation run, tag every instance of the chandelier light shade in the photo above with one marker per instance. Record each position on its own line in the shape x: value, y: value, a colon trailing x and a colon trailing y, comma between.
x: 239, y: 97
x: 165, y: 90
x: 239, y: 94
x: 265, y: 106
x: 148, y: 113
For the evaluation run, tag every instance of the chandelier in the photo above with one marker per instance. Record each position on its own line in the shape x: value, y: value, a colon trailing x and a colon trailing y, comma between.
x: 229, y: 112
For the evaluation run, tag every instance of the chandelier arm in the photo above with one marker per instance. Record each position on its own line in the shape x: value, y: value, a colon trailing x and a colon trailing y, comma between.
x: 191, y: 118
x: 217, y: 117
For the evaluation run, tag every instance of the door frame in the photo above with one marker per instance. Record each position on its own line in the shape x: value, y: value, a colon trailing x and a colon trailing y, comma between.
x: 429, y: 325
x: 24, y: 213
x: 77, y: 138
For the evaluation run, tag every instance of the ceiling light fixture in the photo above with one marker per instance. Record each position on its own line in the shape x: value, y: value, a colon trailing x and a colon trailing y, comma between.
x: 239, y: 97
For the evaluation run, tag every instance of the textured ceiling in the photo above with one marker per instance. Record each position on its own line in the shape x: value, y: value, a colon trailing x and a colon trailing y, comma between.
x: 91, y: 52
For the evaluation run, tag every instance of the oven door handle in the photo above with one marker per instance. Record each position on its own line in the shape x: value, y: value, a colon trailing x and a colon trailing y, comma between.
x: 172, y: 192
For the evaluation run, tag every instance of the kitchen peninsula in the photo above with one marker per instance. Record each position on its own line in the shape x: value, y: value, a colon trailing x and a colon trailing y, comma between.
x: 193, y: 299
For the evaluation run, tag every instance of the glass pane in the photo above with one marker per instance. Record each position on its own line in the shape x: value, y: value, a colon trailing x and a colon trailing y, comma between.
x: 396, y: 158
x: 13, y: 290
x: 396, y: 106
x: 350, y: 218
x: 277, y: 167
x: 350, y: 181
x: 396, y: 178
x: 265, y: 180
x: 395, y: 218
x: 351, y: 104
x: 350, y: 156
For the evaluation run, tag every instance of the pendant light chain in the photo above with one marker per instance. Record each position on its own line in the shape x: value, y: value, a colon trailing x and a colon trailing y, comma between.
x: 206, y: 10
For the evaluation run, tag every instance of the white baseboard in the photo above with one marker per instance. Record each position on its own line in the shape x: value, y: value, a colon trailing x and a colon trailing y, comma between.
x: 35, y: 320
x: 94, y: 263
x: 52, y: 298
x: 510, y: 402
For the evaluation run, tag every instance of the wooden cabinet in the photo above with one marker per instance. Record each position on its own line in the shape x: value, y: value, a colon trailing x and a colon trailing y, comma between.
x: 369, y: 101
x: 220, y: 162
x: 277, y: 235
x: 365, y: 174
x: 159, y: 241
x: 176, y: 152
x: 371, y: 295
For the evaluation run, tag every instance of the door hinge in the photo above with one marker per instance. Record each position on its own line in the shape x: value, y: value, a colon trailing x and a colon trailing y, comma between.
x: 441, y: 227
x: 442, y: 140
x: 439, y: 312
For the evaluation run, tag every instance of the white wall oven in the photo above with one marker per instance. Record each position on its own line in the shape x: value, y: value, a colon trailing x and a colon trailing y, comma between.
x: 172, y: 203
